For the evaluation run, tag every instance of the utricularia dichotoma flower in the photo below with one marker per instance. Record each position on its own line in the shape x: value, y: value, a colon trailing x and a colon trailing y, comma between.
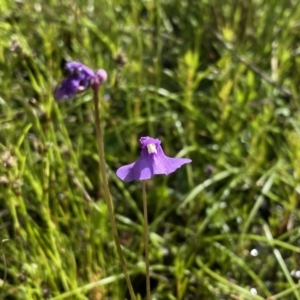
x: 152, y: 161
x: 81, y: 77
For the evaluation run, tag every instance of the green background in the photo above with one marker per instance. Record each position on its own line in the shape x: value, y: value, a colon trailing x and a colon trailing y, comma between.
x: 217, y: 82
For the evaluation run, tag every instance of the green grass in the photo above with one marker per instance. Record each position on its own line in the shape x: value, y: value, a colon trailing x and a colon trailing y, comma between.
x: 216, y: 81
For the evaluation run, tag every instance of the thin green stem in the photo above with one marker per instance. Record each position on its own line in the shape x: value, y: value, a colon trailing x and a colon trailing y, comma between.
x: 86, y: 288
x: 281, y: 262
x: 285, y: 292
x: 107, y: 194
x: 146, y: 239
x: 4, y: 264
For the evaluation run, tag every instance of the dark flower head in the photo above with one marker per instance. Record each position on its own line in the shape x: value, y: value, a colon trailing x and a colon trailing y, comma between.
x: 152, y: 162
x: 209, y: 169
x: 81, y: 77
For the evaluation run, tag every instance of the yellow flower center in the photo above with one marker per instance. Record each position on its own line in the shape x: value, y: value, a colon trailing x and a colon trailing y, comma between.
x: 151, y: 148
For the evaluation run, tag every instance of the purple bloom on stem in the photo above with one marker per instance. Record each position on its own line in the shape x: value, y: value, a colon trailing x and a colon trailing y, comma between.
x: 81, y: 77
x: 152, y: 162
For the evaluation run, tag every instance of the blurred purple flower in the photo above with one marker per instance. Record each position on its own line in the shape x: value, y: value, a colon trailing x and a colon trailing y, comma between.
x: 152, y: 162
x: 81, y: 77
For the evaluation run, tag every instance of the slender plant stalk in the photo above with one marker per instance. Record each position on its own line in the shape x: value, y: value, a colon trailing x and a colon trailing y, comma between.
x: 146, y: 239
x: 4, y: 264
x: 107, y: 194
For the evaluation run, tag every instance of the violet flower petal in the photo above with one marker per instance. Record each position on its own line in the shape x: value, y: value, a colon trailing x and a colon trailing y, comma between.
x: 88, y: 73
x: 152, y: 162
x: 139, y: 170
x: 166, y: 165
x: 71, y: 66
x: 68, y: 87
x: 78, y: 67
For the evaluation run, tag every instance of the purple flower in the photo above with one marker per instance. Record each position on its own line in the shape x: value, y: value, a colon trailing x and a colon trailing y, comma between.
x: 152, y: 162
x: 81, y: 77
